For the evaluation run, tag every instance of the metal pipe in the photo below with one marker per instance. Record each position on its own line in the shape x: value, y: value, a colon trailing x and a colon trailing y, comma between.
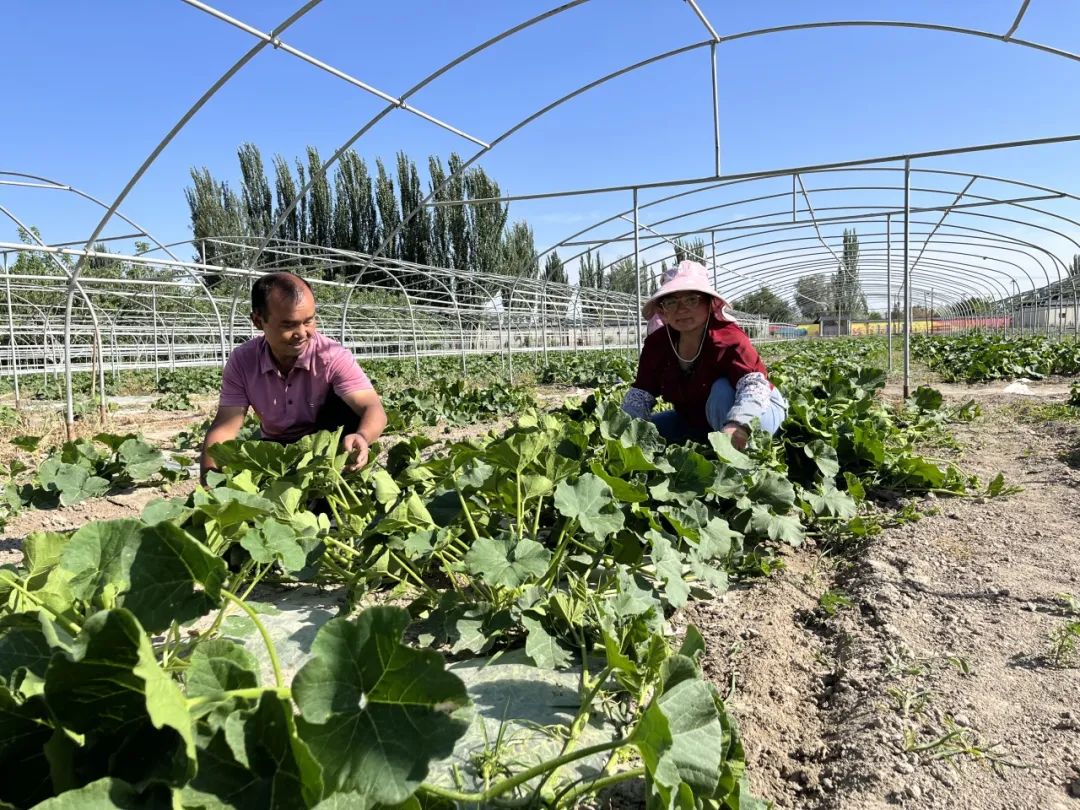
x: 907, y: 279
x: 637, y: 273
x: 715, y: 108
x: 888, y: 288
x: 11, y: 333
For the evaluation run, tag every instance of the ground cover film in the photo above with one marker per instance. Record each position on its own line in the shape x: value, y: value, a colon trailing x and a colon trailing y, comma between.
x: 531, y: 600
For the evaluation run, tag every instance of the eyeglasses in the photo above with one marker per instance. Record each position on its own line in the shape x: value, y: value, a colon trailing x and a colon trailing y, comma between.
x: 676, y: 302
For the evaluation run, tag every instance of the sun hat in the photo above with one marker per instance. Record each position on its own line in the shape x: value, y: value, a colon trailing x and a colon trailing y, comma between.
x: 687, y: 276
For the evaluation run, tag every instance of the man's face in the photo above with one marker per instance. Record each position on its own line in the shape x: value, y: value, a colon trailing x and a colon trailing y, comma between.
x: 289, y: 323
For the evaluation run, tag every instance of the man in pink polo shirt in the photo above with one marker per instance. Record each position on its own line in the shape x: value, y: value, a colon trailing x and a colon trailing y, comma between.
x: 298, y: 381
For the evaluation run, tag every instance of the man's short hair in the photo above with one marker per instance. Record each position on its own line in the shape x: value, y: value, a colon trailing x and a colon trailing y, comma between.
x: 288, y: 285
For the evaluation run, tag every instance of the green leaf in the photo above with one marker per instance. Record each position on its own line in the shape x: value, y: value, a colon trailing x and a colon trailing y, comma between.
x: 680, y: 738
x: 111, y: 689
x: 161, y: 510
x: 692, y: 476
x: 218, y: 666
x: 273, y: 541
x: 773, y: 489
x: 505, y: 563
x: 541, y: 647
x: 27, y: 443
x: 518, y: 450
x: 233, y: 506
x: 73, y: 482
x: 375, y: 713
x: 625, y: 491
x: 589, y: 501
x: 160, y: 573
x: 669, y: 569
x: 140, y: 460
x: 832, y: 502
x: 42, y: 550
x: 256, y: 760
x: 25, y: 729
x: 855, y: 487
x: 824, y: 456
x: 111, y: 794
x: 726, y: 452
x: 22, y: 646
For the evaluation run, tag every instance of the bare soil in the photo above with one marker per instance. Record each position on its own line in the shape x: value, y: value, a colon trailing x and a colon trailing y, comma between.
x: 937, y: 686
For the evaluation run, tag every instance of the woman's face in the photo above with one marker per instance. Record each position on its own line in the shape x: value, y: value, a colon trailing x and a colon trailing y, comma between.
x: 685, y: 312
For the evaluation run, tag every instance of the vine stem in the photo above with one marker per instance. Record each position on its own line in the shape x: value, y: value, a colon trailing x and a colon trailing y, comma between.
x: 254, y: 692
x: 67, y: 624
x: 568, y: 799
x: 244, y: 606
x: 506, y: 785
x: 468, y: 517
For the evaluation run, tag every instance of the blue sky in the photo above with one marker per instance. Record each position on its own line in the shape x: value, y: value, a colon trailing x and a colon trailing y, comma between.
x: 98, y: 84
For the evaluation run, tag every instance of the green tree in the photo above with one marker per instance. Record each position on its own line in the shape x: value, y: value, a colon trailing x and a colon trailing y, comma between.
x: 590, y: 271
x: 812, y: 295
x: 486, y: 222
x: 255, y: 191
x: 847, y: 298
x: 416, y: 232
x: 389, y: 215
x: 285, y: 194
x: 519, y: 252
x: 320, y: 206
x: 768, y: 304
x: 554, y: 270
x: 216, y: 211
x: 692, y: 249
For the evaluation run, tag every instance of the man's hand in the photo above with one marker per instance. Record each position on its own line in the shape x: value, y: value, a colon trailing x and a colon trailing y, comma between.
x: 226, y: 426
x: 739, y: 434
x: 357, y: 448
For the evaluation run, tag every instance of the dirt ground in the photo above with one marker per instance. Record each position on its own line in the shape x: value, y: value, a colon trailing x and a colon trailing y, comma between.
x: 936, y: 687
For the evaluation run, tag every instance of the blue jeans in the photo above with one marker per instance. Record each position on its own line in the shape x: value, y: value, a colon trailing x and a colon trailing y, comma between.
x: 722, y: 396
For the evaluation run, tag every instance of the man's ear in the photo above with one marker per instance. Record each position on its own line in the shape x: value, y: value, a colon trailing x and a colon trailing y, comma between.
x: 257, y: 320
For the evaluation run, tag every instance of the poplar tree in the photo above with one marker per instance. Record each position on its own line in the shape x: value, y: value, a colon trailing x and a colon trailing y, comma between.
x: 285, y: 188
x: 389, y: 215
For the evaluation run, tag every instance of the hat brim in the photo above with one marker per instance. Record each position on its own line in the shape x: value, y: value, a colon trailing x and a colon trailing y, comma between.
x: 651, y: 307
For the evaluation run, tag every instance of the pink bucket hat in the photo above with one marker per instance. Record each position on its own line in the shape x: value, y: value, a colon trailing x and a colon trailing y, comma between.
x: 687, y: 276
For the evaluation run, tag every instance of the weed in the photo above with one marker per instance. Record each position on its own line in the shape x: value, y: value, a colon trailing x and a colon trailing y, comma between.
x: 832, y: 602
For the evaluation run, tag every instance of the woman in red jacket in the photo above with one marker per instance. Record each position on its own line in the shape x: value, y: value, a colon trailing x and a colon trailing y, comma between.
x: 701, y: 362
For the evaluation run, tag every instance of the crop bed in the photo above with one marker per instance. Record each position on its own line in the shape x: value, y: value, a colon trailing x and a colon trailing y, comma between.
x: 481, y: 622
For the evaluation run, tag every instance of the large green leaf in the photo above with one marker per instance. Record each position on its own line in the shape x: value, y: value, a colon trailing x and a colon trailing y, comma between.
x: 506, y: 562
x: 680, y: 737
x: 256, y: 760
x: 218, y: 666
x: 22, y: 646
x: 111, y: 689
x: 160, y: 573
x: 542, y: 647
x: 140, y: 460
x: 590, y: 501
x: 72, y: 482
x: 374, y: 711
x: 112, y: 794
x: 273, y: 541
x: 693, y: 475
x: 24, y: 731
x: 726, y: 452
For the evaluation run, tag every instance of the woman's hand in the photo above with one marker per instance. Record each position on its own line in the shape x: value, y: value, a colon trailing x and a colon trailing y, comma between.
x: 739, y: 434
x: 357, y: 448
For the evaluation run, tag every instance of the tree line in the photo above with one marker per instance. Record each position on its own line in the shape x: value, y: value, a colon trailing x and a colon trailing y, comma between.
x: 350, y: 207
